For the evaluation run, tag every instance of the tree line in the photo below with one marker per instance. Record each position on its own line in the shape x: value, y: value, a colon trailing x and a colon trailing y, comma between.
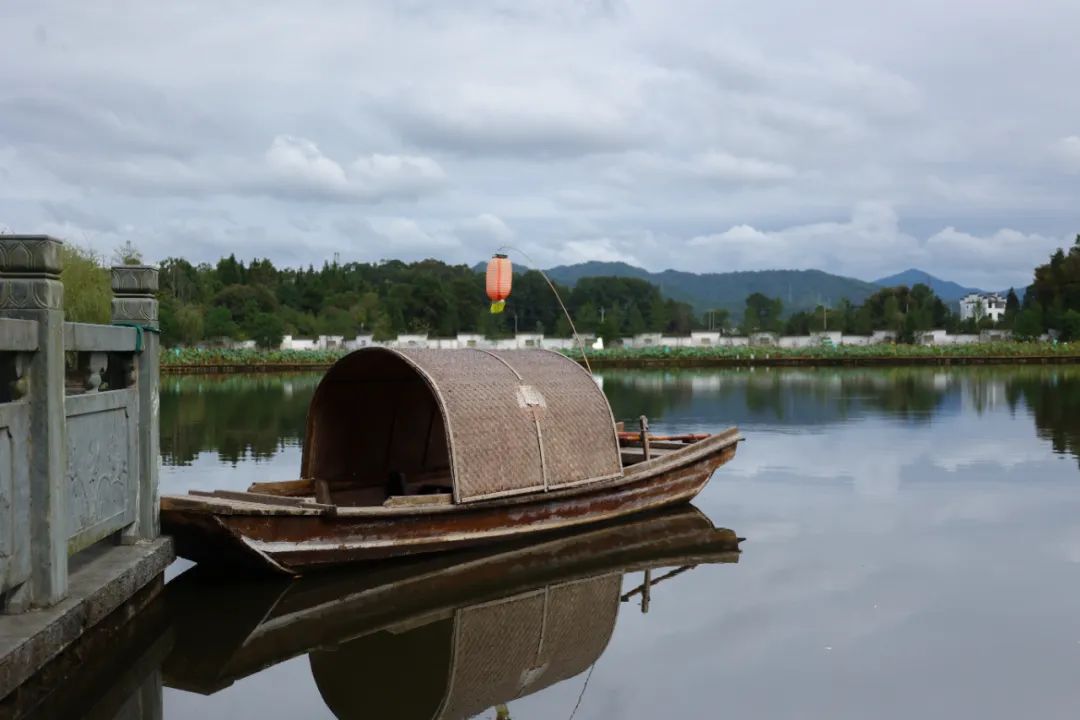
x: 1050, y: 304
x: 202, y: 303
x: 1052, y: 301
x: 231, y: 299
x: 902, y: 310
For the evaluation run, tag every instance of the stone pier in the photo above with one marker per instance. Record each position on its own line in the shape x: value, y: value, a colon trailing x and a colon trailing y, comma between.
x: 79, y: 533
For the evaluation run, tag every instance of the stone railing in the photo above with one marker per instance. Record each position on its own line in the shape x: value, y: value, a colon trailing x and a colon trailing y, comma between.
x: 78, y: 421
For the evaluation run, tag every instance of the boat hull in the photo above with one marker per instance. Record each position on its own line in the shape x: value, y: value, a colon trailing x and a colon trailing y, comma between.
x: 296, y: 543
x: 259, y: 624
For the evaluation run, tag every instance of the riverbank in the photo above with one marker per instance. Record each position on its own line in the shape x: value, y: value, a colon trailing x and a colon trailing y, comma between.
x: 194, y: 361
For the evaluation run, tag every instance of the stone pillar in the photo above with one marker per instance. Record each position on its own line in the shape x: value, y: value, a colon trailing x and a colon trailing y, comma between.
x: 134, y: 303
x: 30, y: 289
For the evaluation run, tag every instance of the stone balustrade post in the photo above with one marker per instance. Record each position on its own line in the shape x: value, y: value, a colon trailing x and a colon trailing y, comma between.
x: 30, y: 289
x: 134, y: 303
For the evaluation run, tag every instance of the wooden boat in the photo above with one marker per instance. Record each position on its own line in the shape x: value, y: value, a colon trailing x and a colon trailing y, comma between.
x: 440, y: 636
x: 417, y: 451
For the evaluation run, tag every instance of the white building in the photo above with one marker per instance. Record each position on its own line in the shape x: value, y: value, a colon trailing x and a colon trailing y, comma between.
x: 981, y: 305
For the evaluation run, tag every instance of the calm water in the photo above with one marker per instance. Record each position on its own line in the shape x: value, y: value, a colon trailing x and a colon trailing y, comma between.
x: 912, y: 550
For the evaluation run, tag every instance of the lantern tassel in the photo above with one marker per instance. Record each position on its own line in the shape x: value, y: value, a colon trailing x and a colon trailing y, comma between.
x: 498, y: 306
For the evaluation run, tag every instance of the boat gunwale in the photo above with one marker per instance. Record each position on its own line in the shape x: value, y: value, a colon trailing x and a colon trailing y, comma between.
x: 693, y: 452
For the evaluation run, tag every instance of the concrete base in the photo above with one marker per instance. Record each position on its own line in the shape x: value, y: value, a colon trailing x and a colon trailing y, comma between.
x: 101, y: 580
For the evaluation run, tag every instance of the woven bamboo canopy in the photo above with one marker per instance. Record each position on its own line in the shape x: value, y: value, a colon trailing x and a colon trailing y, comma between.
x: 494, y: 423
x: 479, y: 656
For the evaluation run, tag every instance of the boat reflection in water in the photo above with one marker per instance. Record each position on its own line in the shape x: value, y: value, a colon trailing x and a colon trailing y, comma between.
x: 446, y: 637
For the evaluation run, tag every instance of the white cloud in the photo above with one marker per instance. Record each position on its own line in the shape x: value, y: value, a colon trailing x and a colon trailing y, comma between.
x: 404, y: 235
x: 299, y: 161
x: 614, y: 130
x: 603, y: 249
x: 301, y: 167
x: 729, y: 168
x: 486, y: 227
x: 551, y: 119
x: 398, y: 174
x: 979, y: 258
x: 871, y: 244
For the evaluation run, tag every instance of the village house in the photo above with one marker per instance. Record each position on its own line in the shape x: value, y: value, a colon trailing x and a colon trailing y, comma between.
x: 981, y: 305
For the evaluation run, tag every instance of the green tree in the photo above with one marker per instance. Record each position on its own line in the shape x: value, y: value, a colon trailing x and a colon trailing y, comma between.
x: 1028, y: 324
x: 1056, y: 286
x: 87, y: 289
x: 127, y: 254
x: 762, y: 314
x: 681, y: 318
x: 229, y: 271
x: 1070, y: 326
x: 609, y: 328
x: 657, y: 318
x: 562, y: 327
x: 587, y: 318
x: 1012, y: 304
x: 890, y: 314
x: 382, y: 329
x: 181, y: 323
x: 798, y: 324
x: 219, y: 323
x: 267, y: 330
x: 189, y: 324
x: 634, y: 324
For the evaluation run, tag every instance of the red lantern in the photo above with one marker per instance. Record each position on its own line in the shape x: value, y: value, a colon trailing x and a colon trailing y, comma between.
x: 499, y: 275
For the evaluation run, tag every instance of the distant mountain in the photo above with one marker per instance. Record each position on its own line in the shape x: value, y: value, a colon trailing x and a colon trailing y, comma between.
x: 944, y: 289
x: 570, y: 274
x: 798, y: 289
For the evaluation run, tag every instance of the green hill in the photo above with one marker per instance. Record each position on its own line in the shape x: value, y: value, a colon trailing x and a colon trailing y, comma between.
x: 798, y: 289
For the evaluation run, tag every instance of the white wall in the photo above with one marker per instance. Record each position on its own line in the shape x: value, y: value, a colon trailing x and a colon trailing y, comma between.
x: 696, y: 339
x: 704, y: 339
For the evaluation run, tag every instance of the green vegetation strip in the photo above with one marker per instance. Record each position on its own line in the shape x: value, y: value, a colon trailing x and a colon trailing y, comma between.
x: 211, y: 360
x: 976, y: 350
x: 208, y: 360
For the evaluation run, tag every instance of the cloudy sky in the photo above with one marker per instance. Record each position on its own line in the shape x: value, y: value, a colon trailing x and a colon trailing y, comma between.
x: 859, y: 138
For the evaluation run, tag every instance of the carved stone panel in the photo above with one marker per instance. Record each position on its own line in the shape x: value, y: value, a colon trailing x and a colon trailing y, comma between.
x: 134, y: 279
x: 20, y: 293
x: 14, y: 496
x: 102, y: 462
x: 30, y: 254
x: 143, y: 311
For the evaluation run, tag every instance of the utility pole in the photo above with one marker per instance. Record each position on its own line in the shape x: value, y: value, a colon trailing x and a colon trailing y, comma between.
x: 601, y: 315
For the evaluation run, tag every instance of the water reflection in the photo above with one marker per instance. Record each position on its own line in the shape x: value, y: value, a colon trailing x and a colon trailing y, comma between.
x: 794, y: 397
x: 444, y: 637
x: 817, y: 398
x: 260, y: 416
x: 113, y: 673
x: 235, y: 416
x: 915, y: 553
x: 1054, y: 401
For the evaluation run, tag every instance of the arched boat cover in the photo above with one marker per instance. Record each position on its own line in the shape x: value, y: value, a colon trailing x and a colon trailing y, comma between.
x: 496, y: 422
